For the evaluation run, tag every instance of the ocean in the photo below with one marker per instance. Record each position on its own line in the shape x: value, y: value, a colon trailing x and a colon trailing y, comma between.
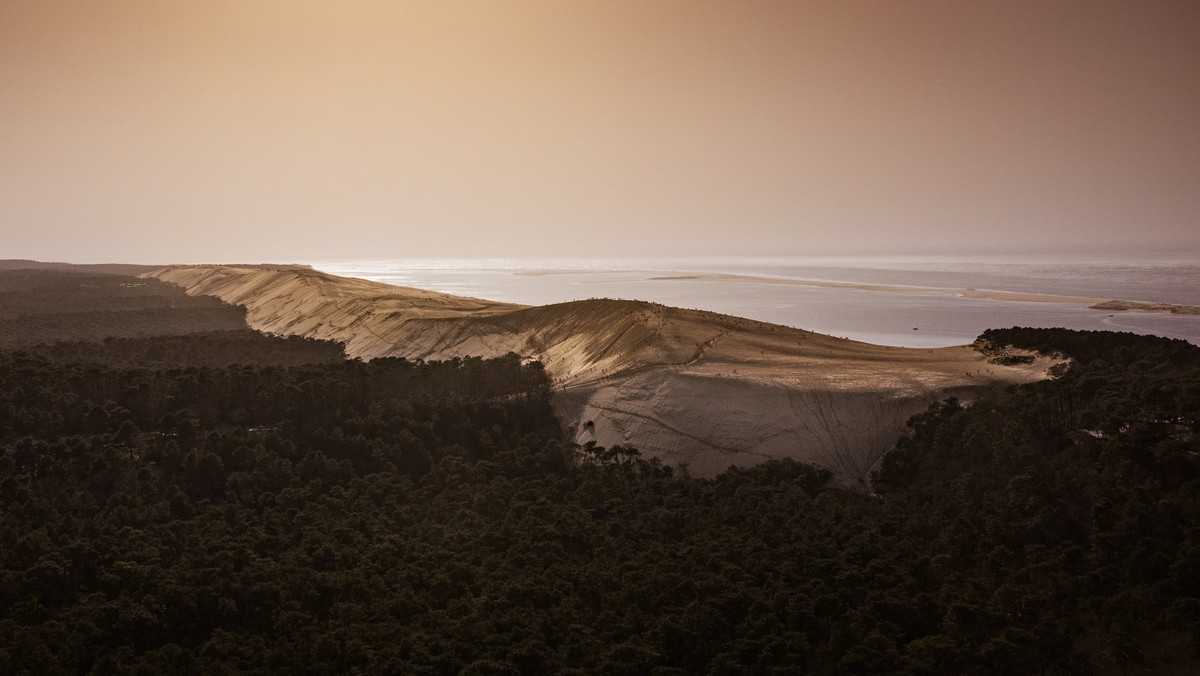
x: 910, y: 301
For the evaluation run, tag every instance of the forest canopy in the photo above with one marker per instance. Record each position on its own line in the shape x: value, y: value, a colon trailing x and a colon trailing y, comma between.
x: 240, y: 509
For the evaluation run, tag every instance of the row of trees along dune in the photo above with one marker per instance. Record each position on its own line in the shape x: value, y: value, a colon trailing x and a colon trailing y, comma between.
x: 398, y: 516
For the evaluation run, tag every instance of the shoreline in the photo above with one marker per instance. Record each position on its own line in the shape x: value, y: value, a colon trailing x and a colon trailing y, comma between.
x: 941, y: 311
x: 1091, y: 302
x: 1109, y: 304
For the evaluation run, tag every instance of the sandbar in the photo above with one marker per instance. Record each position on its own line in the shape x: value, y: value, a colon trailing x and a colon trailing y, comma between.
x: 976, y: 294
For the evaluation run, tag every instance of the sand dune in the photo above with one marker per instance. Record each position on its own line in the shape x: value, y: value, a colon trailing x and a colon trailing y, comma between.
x: 688, y: 386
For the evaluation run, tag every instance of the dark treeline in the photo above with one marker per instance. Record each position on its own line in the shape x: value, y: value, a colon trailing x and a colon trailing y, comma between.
x: 41, y: 306
x: 1115, y: 348
x: 210, y: 348
x: 1067, y: 514
x: 407, y: 517
x: 78, y: 314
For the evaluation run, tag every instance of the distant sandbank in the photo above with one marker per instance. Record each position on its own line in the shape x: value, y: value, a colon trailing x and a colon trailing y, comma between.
x: 1134, y: 306
x: 1092, y: 303
x: 979, y: 294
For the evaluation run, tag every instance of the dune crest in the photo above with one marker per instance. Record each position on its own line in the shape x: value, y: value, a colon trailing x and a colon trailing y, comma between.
x: 689, y: 386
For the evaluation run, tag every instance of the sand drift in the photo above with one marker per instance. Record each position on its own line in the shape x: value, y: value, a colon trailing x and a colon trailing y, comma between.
x: 688, y: 386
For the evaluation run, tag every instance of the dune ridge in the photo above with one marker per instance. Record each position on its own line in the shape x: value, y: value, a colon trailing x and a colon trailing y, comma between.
x: 689, y: 386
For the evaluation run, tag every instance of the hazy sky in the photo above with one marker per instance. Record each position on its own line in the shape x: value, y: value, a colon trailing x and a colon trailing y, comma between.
x: 221, y: 130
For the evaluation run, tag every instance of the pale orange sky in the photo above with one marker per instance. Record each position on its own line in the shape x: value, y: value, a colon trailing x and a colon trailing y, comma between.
x: 180, y: 131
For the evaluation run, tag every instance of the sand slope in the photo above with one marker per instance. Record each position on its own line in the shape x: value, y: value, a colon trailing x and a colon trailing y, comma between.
x: 688, y: 386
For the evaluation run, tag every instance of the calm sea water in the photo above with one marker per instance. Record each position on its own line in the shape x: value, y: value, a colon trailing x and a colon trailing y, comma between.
x: 882, y: 317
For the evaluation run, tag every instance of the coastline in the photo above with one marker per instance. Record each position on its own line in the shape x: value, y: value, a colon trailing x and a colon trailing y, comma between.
x: 1091, y: 302
x: 1109, y: 304
x: 937, y: 303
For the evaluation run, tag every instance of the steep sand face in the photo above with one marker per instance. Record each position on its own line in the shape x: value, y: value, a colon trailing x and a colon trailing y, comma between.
x: 710, y: 423
x: 687, y: 386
